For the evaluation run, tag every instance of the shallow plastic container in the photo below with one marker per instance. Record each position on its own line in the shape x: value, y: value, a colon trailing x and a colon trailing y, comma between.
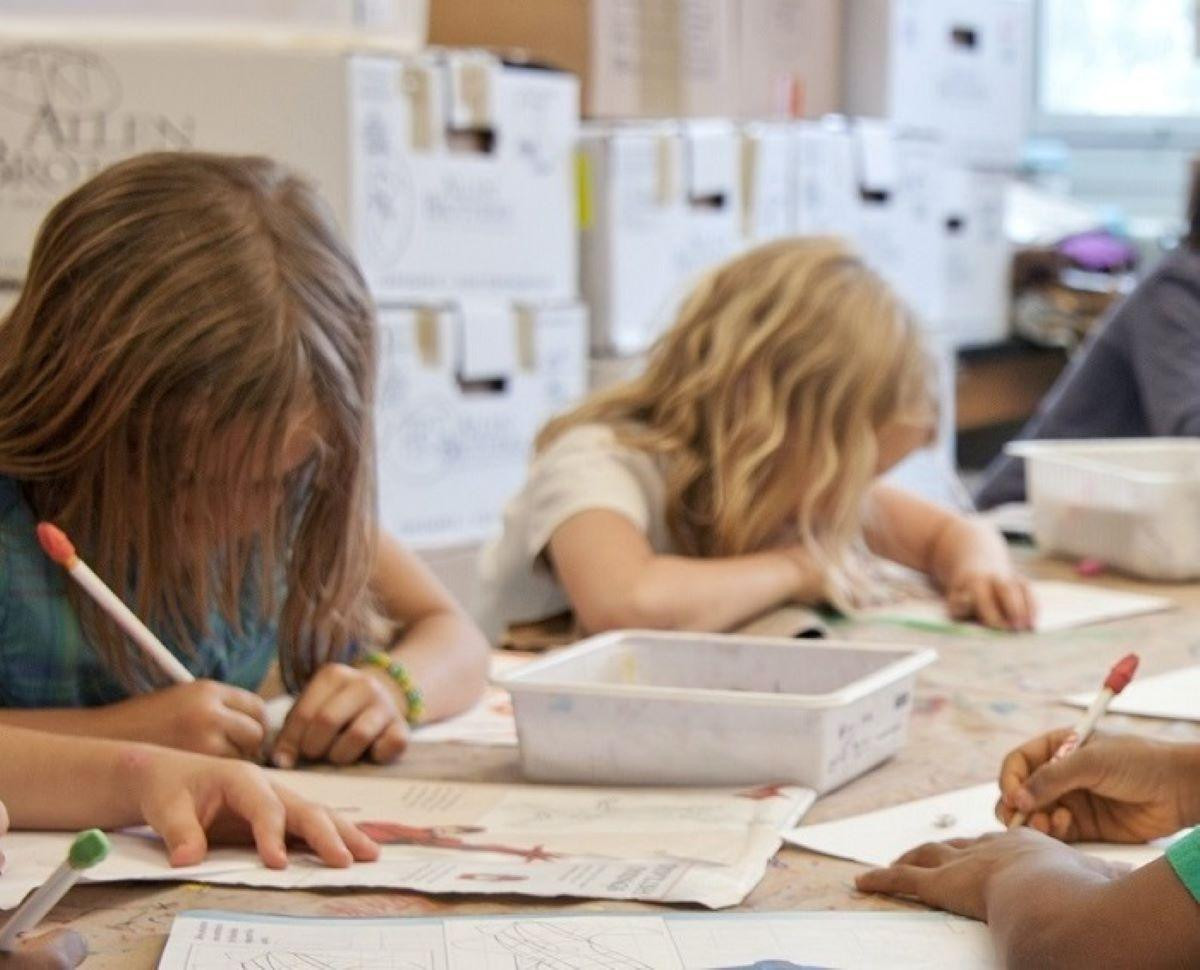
x: 646, y: 708
x: 1133, y: 503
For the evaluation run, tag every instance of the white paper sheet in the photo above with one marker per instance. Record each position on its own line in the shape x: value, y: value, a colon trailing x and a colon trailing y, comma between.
x: 709, y: 847
x: 1060, y: 606
x: 490, y: 722
x: 1175, y: 695
x: 735, y: 941
x: 879, y: 838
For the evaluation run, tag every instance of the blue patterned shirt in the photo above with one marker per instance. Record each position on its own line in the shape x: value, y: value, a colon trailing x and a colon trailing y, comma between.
x: 45, y: 659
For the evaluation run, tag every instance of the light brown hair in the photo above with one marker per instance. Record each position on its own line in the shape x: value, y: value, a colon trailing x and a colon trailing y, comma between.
x: 765, y: 398
x: 183, y: 315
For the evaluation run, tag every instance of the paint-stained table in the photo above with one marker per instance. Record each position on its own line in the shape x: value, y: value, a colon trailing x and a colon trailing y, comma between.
x: 987, y: 693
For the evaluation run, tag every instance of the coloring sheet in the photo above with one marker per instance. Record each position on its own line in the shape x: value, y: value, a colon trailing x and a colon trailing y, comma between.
x: 1175, y: 695
x: 673, y: 845
x: 1060, y: 606
x: 879, y: 838
x: 490, y: 722
x: 675, y: 941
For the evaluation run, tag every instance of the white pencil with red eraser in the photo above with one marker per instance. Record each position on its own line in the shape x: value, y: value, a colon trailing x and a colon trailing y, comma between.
x: 1117, y: 680
x: 59, y: 548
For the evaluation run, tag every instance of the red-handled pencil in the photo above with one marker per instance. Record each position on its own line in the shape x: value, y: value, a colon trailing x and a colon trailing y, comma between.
x: 1117, y: 680
x: 59, y: 548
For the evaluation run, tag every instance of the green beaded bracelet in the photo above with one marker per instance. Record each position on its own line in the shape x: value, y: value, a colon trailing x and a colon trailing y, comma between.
x: 412, y: 693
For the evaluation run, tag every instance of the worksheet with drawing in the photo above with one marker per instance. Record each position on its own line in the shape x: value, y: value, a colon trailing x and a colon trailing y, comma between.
x: 742, y: 941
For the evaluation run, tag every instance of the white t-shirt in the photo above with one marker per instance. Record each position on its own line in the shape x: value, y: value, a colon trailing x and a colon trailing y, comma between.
x: 585, y: 468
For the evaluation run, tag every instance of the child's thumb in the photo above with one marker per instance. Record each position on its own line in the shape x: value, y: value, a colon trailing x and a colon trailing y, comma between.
x: 1079, y: 770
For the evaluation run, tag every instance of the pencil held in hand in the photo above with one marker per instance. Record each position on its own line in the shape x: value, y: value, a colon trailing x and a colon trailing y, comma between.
x: 1117, y: 680
x: 59, y: 548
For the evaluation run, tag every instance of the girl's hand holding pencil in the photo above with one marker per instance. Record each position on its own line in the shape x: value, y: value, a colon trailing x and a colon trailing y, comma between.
x: 204, y: 716
x: 1116, y: 788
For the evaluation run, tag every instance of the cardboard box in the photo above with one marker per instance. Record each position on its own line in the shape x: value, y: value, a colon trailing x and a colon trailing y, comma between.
x: 463, y: 390
x: 959, y: 70
x: 826, y: 195
x: 662, y: 203
x: 978, y: 257
x: 769, y: 159
x: 406, y: 21
x: 900, y: 206
x: 451, y: 175
x: 668, y: 58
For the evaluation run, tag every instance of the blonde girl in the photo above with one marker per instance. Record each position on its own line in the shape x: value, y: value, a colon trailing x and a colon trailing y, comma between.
x: 739, y: 471
x: 186, y: 388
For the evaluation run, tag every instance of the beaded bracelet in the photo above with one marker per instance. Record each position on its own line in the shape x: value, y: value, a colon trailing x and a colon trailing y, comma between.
x: 396, y: 670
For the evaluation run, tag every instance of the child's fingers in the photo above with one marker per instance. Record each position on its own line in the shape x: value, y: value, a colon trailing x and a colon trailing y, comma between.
x: 256, y: 801
x: 928, y: 855
x: 251, y: 705
x: 361, y: 733
x: 987, y: 606
x: 244, y: 733
x: 392, y: 743
x: 313, y: 824
x: 361, y: 846
x: 335, y: 716
x: 287, y: 745
x: 895, y: 880
x: 180, y: 828
x: 52, y: 951
x: 1012, y: 604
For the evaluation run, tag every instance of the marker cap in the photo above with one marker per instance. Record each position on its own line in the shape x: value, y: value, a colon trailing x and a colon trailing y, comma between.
x: 88, y: 849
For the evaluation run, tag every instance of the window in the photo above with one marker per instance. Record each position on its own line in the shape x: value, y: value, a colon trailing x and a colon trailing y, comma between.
x: 1127, y: 70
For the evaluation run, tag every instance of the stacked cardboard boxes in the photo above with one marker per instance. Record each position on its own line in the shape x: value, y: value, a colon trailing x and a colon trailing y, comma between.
x: 451, y: 174
x: 962, y: 72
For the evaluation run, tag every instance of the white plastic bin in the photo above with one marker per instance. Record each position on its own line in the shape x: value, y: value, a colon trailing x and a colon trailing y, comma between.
x: 645, y: 708
x: 1133, y: 503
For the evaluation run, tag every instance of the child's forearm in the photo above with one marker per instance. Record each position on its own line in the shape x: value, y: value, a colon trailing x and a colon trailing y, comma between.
x: 447, y: 657
x: 1060, y: 918
x: 50, y: 781
x: 91, y: 722
x: 678, y: 593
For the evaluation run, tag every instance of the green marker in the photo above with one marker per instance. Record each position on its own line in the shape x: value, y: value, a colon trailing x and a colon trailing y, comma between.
x: 88, y: 849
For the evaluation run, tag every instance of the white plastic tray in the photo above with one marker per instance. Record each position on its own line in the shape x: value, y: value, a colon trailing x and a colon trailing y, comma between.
x: 1133, y: 503
x: 649, y: 708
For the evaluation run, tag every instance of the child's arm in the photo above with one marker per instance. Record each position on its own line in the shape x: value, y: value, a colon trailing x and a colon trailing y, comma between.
x: 185, y: 797
x: 965, y: 557
x: 1051, y: 906
x: 205, y: 717
x: 347, y: 712
x: 614, y: 579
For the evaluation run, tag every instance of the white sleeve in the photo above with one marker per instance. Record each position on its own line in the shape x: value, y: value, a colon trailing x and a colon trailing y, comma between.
x: 585, y: 469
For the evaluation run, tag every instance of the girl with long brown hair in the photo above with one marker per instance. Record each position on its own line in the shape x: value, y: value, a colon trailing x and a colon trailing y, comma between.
x: 186, y: 388
x: 739, y: 471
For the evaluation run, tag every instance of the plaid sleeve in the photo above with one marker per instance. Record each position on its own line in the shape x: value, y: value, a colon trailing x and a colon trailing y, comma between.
x: 1184, y: 857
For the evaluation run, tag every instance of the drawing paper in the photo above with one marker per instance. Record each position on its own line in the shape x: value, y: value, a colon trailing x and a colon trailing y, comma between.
x: 673, y: 941
x: 1060, y: 606
x: 672, y: 845
x: 879, y: 838
x: 1174, y: 695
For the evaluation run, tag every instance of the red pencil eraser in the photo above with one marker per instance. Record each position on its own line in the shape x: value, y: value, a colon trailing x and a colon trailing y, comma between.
x: 1122, y: 673
x: 58, y: 547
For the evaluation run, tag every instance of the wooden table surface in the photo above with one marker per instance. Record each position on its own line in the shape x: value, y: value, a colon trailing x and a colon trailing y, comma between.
x: 986, y: 693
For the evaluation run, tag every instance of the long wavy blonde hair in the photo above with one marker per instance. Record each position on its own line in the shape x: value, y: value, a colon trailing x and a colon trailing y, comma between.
x: 182, y: 314
x: 765, y: 400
